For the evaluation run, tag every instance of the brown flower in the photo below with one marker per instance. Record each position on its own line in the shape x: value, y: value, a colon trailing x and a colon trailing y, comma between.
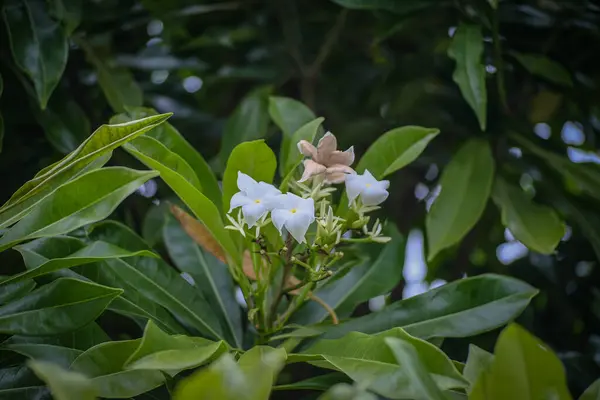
x: 326, y: 160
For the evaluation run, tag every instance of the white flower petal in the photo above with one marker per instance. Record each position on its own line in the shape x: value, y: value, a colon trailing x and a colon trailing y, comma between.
x: 297, y: 225
x: 354, y: 186
x: 373, y: 195
x: 253, y: 212
x: 279, y: 217
x: 245, y: 182
x: 237, y: 200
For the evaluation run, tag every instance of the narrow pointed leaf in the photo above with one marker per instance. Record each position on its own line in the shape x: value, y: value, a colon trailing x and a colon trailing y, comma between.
x: 86, y: 199
x: 105, y: 139
x: 478, y: 361
x: 546, y: 68
x: 467, y: 49
x: 592, y: 392
x: 466, y: 183
x: 61, y: 306
x: 536, y: 226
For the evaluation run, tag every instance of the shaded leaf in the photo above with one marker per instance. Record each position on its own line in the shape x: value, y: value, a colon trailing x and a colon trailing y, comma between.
x: 320, y: 382
x: 523, y: 368
x: 95, y: 148
x: 249, y: 121
x: 478, y: 361
x: 536, y: 226
x: 466, y: 183
x: 62, y: 356
x: 466, y: 307
x: 80, y: 339
x: 38, y: 44
x: 86, y: 199
x: 68, y: 12
x: 399, y: 7
x: 64, y: 385
x: 210, y: 274
x: 61, y: 306
x: 395, y: 149
x: 544, y: 67
x: 592, y: 392
x: 254, y: 159
x: 15, y: 290
x: 466, y: 49
x: 344, y: 391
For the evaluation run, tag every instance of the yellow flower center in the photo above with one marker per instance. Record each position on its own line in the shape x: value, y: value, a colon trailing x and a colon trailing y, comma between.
x: 293, y: 211
x: 368, y: 185
x: 257, y: 201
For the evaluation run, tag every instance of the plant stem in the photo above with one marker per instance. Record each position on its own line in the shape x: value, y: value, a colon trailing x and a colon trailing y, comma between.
x: 499, y: 62
x: 287, y: 268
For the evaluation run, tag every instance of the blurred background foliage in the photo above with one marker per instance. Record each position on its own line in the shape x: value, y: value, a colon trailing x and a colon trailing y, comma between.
x: 366, y: 66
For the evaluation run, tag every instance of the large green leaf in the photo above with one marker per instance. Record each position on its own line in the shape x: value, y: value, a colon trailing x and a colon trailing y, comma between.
x: 458, y: 309
x: 18, y: 376
x: 536, y: 226
x: 96, y: 251
x: 86, y: 199
x: 395, y: 149
x: 592, y: 392
x: 306, y: 132
x: 61, y: 306
x: 478, y: 361
x: 422, y: 382
x: 544, y: 67
x: 466, y: 185
x: 249, y: 379
x: 38, y: 44
x: 172, y: 354
x: 15, y: 290
x: 249, y: 121
x: 523, y: 368
x: 130, y: 303
x: 255, y: 159
x: 178, y: 175
x: 466, y: 49
x: 64, y: 384
x: 210, y: 276
x: 62, y: 356
x: 104, y: 364
x: 95, y: 148
x: 368, y: 361
x: 157, y: 281
x: 174, y: 141
x: 289, y: 115
x: 361, y: 283
x: 80, y: 339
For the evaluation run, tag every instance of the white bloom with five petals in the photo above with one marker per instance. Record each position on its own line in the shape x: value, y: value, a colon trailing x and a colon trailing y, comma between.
x: 371, y: 191
x: 254, y: 198
x: 294, y: 213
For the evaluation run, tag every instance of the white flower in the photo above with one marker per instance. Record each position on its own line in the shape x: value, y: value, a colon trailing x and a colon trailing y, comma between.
x: 254, y: 198
x: 294, y: 213
x: 371, y: 191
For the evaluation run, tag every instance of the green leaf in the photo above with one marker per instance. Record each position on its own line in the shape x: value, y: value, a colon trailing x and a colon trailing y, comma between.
x: 177, y: 174
x: 399, y: 7
x: 249, y: 121
x: 536, y: 226
x: 80, y: 339
x: 1, y: 132
x: 61, y: 306
x: 64, y: 123
x: 157, y: 281
x: 86, y: 199
x: 395, y: 149
x: 174, y: 141
x: 98, y: 145
x: 369, y: 362
x: 289, y: 115
x: 523, y: 368
x: 15, y: 290
x: 97, y: 251
x: 478, y: 361
x: 172, y: 354
x: 68, y: 12
x: 18, y: 376
x: 457, y: 309
x: 592, y: 392
x: 63, y: 384
x: 255, y: 159
x: 466, y: 49
x: 321, y: 382
x: 249, y: 379
x: 418, y: 375
x: 38, y: 44
x: 544, y: 67
x: 344, y: 391
x: 361, y: 283
x: 466, y: 185
x: 104, y: 364
x: 306, y: 132
x: 59, y: 355
x: 210, y: 275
